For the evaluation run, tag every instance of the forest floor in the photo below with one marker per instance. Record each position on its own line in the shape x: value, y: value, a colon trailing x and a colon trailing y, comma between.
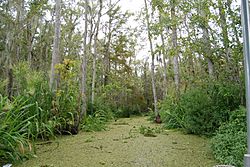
x: 122, y: 145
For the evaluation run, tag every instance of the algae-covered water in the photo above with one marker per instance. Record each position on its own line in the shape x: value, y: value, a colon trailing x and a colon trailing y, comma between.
x: 123, y: 146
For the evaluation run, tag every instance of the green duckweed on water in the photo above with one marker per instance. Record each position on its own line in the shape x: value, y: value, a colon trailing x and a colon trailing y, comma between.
x: 124, y: 146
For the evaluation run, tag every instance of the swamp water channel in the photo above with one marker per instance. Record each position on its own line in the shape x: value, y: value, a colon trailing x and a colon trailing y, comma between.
x: 122, y: 145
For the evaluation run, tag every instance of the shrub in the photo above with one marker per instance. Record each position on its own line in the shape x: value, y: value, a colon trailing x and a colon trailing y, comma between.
x: 198, y: 114
x: 201, y: 110
x: 224, y: 96
x: 229, y: 143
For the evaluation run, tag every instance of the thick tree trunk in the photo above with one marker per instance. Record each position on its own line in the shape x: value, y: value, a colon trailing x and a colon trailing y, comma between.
x: 95, y: 55
x: 207, y: 46
x: 152, y: 63
x: 55, y: 55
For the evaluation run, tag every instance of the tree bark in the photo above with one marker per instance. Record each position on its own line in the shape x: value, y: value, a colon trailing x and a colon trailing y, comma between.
x: 146, y: 87
x: 19, y: 20
x: 165, y: 84
x: 55, y: 55
x: 31, y: 31
x: 83, y: 92
x: 152, y: 63
x: 94, y: 56
x: 207, y: 46
x: 223, y: 24
x: 174, y: 45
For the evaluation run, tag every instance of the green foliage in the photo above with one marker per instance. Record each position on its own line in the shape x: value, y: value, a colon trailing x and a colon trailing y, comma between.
x: 32, y: 87
x: 150, y: 132
x: 172, y: 114
x: 3, y: 85
x: 27, y: 117
x: 229, y: 143
x: 15, y: 129
x: 26, y: 79
x: 65, y: 103
x: 97, y: 121
x: 198, y: 114
x: 151, y: 115
x: 203, y: 109
x: 122, y: 98
x: 224, y: 95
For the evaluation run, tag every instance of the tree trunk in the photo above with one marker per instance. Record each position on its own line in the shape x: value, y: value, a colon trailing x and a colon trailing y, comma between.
x: 107, y: 47
x: 9, y: 57
x: 83, y: 92
x: 146, y: 87
x: 164, y: 56
x: 223, y: 23
x: 55, y: 55
x: 207, y: 46
x: 165, y: 84
x: 175, y: 58
x: 31, y: 30
x: 19, y: 20
x: 153, y: 59
x: 165, y: 93
x: 94, y: 56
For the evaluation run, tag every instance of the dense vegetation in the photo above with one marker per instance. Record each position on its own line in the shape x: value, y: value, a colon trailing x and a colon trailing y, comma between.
x: 73, y: 65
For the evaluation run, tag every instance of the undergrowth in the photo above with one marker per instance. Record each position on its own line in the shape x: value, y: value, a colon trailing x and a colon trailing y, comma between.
x: 97, y: 121
x: 150, y: 132
x: 229, y: 143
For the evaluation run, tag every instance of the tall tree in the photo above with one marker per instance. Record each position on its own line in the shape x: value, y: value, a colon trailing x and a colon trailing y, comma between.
x: 224, y: 27
x: 107, y: 44
x: 55, y: 55
x: 174, y: 47
x: 95, y: 54
x: 83, y: 92
x: 152, y: 59
x: 164, y: 57
x: 207, y: 53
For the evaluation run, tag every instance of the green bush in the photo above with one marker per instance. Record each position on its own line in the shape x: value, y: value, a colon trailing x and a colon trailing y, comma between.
x: 224, y: 96
x: 201, y: 110
x: 198, y: 114
x: 229, y: 143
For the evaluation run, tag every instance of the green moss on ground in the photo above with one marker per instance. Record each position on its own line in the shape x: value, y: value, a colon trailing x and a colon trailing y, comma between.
x: 124, y: 146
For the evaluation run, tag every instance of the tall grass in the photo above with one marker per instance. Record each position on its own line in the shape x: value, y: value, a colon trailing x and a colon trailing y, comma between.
x: 15, y: 129
x: 22, y: 121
